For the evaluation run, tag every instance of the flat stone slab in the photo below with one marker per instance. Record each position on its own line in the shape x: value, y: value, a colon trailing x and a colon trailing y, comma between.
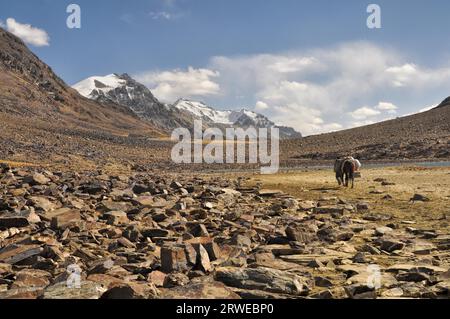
x: 14, y: 253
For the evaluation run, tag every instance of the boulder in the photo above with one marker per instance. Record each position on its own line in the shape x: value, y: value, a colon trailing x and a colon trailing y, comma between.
x: 209, y: 290
x: 173, y: 259
x: 36, y: 179
x: 87, y: 290
x: 263, y: 279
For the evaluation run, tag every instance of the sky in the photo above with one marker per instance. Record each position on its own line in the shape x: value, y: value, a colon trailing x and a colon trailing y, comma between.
x: 313, y: 64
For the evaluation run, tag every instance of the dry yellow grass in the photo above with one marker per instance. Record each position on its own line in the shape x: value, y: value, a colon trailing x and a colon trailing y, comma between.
x: 19, y: 164
x: 431, y: 182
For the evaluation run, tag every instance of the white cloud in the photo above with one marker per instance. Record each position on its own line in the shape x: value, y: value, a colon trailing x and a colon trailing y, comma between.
x: 164, y: 15
x: 390, y: 108
x: 168, y: 10
x: 27, y: 33
x: 310, y: 91
x: 291, y: 64
x: 168, y: 86
x: 315, y: 90
x: 369, y: 115
x: 261, y: 106
x: 386, y: 106
x: 364, y: 113
x: 402, y: 75
x: 413, y: 76
x: 2, y: 25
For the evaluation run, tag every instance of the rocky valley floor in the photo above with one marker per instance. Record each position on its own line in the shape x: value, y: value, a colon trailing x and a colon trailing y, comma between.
x: 156, y: 234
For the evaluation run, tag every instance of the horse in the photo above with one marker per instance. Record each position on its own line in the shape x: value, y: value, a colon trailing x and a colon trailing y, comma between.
x: 345, y: 171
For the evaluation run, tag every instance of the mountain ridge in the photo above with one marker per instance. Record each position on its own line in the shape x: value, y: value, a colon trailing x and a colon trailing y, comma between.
x: 418, y: 136
x: 31, y: 88
x: 444, y: 103
x: 243, y: 118
x: 124, y: 90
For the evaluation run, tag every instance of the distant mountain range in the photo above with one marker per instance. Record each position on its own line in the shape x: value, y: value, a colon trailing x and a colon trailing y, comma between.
x: 125, y: 91
x: 42, y: 119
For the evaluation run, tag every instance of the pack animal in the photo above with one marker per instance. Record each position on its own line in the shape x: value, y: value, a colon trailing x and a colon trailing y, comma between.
x: 345, y: 171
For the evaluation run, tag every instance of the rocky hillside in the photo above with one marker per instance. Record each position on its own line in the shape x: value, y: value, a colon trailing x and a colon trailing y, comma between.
x: 42, y: 120
x: 145, y: 236
x: 420, y: 136
x: 444, y: 103
x: 29, y: 89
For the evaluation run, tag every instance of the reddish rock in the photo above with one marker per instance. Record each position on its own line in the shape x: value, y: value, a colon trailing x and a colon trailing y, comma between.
x: 173, y: 259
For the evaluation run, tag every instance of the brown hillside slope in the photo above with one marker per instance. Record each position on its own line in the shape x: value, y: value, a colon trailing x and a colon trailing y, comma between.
x: 29, y: 88
x: 420, y: 136
x: 44, y: 121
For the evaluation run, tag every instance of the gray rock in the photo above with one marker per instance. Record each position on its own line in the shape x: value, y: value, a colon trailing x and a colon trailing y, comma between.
x: 36, y: 179
x: 210, y: 290
x: 263, y: 279
x: 87, y: 290
x: 420, y: 198
x: 391, y: 245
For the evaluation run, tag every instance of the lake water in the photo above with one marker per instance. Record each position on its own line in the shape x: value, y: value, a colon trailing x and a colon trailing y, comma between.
x: 376, y: 165
x: 435, y: 164
x: 330, y: 167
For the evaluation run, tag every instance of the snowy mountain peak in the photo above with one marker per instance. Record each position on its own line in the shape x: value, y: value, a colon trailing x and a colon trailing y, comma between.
x: 237, y: 118
x: 95, y: 84
x: 202, y: 111
x: 242, y: 117
x: 123, y: 90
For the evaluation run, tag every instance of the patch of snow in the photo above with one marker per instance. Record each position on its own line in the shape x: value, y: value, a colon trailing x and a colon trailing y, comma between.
x: 203, y: 111
x: 109, y: 83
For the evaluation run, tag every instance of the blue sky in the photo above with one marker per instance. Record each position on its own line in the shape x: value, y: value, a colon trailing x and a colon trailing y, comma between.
x: 313, y: 65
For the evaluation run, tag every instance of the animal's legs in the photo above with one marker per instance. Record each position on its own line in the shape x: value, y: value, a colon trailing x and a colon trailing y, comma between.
x: 339, y: 179
x: 352, y: 177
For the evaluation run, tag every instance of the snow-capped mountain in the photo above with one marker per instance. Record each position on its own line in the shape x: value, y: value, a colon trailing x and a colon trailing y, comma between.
x: 123, y: 90
x: 99, y: 85
x: 241, y: 118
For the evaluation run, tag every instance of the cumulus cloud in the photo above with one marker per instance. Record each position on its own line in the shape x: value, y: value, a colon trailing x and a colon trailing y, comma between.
x: 364, y: 113
x: 402, y: 75
x: 325, y: 89
x: 387, y: 107
x: 27, y: 33
x: 414, y: 76
x: 168, y: 86
x: 314, y: 91
x: 261, y: 106
x: 290, y: 64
